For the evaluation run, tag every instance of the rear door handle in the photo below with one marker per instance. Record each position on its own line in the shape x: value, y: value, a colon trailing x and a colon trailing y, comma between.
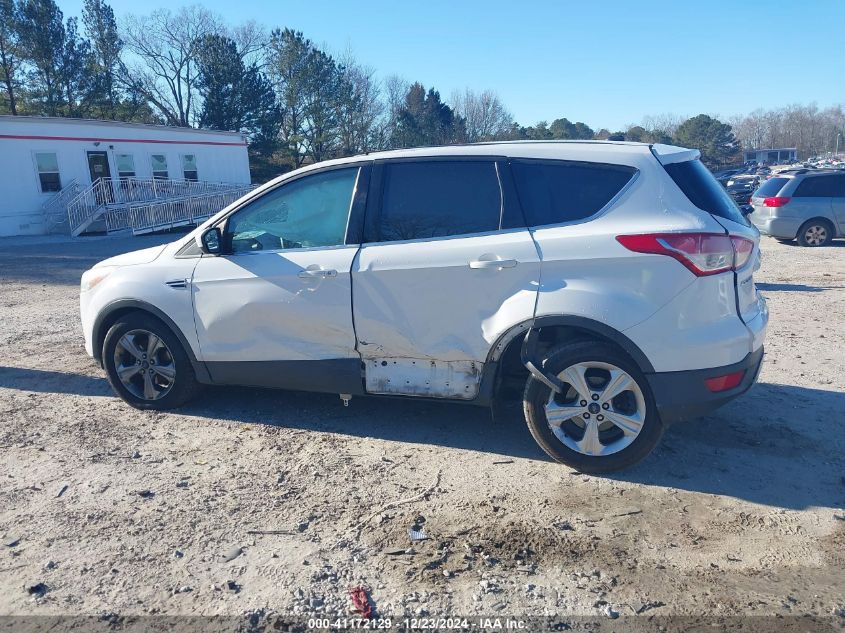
x: 311, y: 273
x: 492, y: 263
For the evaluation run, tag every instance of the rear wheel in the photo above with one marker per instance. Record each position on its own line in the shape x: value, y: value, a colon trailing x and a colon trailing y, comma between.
x: 816, y: 232
x: 146, y: 364
x: 605, y: 419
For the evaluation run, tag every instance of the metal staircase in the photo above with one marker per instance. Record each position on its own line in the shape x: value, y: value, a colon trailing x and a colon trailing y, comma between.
x: 55, y: 209
x: 144, y: 205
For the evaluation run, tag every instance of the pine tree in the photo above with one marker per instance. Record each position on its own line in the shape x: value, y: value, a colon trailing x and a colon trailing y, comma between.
x: 9, y: 54
x: 714, y: 139
x: 106, y: 47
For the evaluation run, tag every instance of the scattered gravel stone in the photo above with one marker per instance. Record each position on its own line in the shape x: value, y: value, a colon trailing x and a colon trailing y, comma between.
x: 232, y: 554
x: 11, y: 541
x: 183, y: 589
x: 37, y: 590
x: 609, y: 612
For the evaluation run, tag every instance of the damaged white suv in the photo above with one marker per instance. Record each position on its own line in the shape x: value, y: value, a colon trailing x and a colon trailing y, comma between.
x: 612, y: 280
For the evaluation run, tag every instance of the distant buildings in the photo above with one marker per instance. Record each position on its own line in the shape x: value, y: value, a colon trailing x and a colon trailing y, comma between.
x: 772, y: 156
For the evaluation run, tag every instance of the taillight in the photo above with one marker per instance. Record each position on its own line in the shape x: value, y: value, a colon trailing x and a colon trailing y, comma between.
x: 742, y: 251
x: 702, y: 253
x: 776, y: 201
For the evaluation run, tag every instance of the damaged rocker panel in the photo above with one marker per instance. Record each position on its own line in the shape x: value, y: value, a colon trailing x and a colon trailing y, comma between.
x: 457, y: 379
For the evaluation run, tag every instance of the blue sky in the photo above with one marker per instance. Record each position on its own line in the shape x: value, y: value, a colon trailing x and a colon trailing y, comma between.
x: 605, y: 63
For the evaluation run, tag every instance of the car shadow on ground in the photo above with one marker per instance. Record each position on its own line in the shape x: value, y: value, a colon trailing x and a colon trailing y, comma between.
x: 794, y: 288
x: 778, y: 445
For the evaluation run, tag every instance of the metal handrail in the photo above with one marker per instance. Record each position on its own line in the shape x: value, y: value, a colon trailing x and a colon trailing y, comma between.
x: 165, y: 214
x: 113, y: 193
x: 54, y: 209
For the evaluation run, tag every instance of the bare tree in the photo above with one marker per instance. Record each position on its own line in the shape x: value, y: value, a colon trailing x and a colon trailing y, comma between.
x: 166, y: 45
x: 361, y: 107
x: 486, y: 117
x: 666, y: 123
x: 395, y: 90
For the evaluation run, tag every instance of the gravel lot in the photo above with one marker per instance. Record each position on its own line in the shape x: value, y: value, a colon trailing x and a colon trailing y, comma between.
x: 264, y: 502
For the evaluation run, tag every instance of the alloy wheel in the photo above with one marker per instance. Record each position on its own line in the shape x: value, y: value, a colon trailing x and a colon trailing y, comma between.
x: 144, y: 365
x: 815, y: 235
x: 601, y: 411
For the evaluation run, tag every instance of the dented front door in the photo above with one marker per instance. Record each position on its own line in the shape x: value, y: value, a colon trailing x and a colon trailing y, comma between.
x: 275, y: 310
x: 439, y: 280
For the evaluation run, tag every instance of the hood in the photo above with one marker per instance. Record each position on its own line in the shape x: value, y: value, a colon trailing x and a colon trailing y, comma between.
x: 144, y: 256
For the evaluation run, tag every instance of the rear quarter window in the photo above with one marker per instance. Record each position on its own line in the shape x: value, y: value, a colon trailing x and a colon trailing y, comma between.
x: 703, y: 190
x: 555, y: 192
x: 771, y: 188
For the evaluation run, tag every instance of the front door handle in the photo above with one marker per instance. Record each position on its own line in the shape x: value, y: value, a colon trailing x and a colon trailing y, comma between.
x: 311, y: 273
x: 493, y: 263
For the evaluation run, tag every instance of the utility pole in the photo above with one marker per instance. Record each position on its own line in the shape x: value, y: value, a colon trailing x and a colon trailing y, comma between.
x: 838, y: 134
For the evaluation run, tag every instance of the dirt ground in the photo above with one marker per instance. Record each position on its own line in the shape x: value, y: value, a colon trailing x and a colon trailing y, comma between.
x: 264, y: 502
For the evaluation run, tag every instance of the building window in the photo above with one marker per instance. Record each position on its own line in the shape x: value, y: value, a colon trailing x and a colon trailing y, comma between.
x: 48, y: 172
x: 159, y: 162
x: 189, y: 167
x: 125, y: 165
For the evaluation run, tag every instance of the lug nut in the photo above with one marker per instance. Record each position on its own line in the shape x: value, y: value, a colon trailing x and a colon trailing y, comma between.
x: 600, y: 418
x: 595, y: 396
x: 605, y: 406
x: 586, y: 416
x: 583, y: 403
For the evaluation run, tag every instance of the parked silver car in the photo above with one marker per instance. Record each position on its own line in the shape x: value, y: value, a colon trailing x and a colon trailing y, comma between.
x: 807, y: 205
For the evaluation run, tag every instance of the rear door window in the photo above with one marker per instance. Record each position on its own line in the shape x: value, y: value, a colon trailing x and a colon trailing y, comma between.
x: 771, y: 188
x: 820, y: 187
x: 429, y: 199
x: 703, y: 190
x: 555, y: 192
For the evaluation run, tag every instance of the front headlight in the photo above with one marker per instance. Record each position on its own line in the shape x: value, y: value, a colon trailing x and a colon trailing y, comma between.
x: 90, y: 278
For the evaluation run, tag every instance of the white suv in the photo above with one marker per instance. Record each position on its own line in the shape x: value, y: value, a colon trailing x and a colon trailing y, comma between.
x: 613, y: 280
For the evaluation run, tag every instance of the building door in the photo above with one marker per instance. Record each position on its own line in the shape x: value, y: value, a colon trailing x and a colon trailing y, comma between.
x: 98, y: 167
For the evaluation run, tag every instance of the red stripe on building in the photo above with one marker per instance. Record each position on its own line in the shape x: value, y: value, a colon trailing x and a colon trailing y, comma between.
x: 24, y: 137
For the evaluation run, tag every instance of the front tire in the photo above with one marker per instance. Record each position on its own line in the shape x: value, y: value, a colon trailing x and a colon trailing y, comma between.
x: 816, y: 232
x: 146, y: 364
x: 605, y: 421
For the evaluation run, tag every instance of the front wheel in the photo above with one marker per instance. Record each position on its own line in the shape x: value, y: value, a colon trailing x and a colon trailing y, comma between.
x: 605, y: 419
x: 146, y: 364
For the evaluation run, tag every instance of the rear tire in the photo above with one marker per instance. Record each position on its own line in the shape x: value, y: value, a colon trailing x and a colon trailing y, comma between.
x: 815, y: 232
x: 563, y: 443
x: 785, y: 240
x: 146, y: 364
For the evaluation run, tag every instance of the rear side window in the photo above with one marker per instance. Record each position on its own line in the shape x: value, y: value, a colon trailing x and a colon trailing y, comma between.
x: 821, y: 187
x: 559, y: 191
x: 439, y: 198
x: 770, y: 188
x: 703, y: 190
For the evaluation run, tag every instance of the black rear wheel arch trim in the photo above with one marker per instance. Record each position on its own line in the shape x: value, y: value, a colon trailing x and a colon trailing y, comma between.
x: 582, y: 323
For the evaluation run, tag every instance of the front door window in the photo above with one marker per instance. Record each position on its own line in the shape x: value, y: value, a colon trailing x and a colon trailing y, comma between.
x: 306, y: 213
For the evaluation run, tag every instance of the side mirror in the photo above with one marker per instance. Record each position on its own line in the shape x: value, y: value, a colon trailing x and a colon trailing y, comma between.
x: 211, y: 241
x: 746, y: 209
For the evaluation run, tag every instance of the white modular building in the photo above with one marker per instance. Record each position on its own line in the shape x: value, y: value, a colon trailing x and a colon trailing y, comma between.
x: 46, y: 162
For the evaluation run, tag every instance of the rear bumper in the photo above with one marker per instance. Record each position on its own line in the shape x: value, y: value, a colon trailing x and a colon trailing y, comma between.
x: 786, y: 228
x: 681, y: 395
